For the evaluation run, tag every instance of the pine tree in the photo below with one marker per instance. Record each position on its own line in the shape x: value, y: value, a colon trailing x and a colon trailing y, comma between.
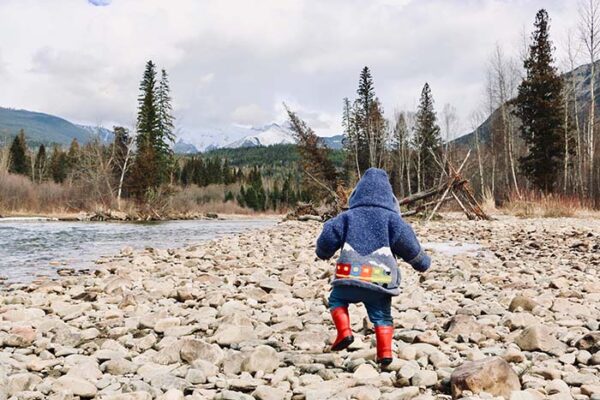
x: 149, y: 170
x: 426, y: 139
x: 165, y: 129
x: 19, y: 162
x: 241, y: 197
x: 166, y: 120
x: 363, y: 118
x: 120, y: 148
x: 73, y: 155
x: 58, y: 165
x: 147, y: 119
x: 540, y: 108
x: 40, y: 164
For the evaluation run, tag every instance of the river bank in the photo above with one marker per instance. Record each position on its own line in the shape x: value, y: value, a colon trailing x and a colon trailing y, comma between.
x: 245, y: 317
x: 116, y: 216
x: 31, y: 248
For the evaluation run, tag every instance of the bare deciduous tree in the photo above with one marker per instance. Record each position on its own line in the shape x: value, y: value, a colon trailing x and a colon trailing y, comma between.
x: 589, y: 27
x: 505, y: 78
x: 476, y: 121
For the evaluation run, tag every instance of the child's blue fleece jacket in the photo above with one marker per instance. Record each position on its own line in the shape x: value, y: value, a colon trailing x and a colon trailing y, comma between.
x: 371, y: 235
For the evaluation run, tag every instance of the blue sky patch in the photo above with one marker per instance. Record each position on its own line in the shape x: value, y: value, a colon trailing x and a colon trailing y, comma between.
x: 99, y: 2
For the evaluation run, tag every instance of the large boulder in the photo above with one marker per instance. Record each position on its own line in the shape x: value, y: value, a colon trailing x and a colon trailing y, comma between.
x: 492, y: 375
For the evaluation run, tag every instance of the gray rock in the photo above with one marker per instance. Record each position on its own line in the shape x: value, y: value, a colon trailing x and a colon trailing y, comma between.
x: 234, y: 329
x: 365, y: 372
x: 557, y: 386
x: 539, y: 338
x: 192, y: 350
x: 424, y: 378
x: 119, y: 367
x: 263, y: 358
x: 77, y: 386
x: 406, y: 393
x: 21, y: 382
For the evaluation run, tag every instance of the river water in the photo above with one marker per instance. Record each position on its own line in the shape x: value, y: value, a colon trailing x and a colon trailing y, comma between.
x: 32, y: 248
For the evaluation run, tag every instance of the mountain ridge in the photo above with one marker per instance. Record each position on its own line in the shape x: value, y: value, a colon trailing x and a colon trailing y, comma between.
x: 48, y: 129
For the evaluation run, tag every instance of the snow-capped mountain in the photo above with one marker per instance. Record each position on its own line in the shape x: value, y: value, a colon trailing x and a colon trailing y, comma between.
x: 265, y: 136
x: 183, y: 147
x: 105, y: 135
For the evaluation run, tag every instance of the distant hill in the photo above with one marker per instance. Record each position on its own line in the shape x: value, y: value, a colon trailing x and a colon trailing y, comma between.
x: 40, y: 128
x: 580, y: 75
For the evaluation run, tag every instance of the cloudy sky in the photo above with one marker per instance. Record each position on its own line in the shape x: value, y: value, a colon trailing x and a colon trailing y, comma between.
x: 232, y: 63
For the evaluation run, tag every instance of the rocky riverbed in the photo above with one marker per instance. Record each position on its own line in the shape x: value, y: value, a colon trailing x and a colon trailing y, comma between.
x: 246, y: 317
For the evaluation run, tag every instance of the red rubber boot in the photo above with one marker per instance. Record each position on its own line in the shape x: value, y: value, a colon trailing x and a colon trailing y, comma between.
x: 384, y: 335
x: 341, y: 319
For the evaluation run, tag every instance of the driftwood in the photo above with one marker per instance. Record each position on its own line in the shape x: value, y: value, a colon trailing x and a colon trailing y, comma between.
x: 455, y: 188
x: 421, y: 207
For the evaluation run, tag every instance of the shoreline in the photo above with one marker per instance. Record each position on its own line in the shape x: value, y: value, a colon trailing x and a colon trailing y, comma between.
x: 244, y: 316
x: 88, y: 217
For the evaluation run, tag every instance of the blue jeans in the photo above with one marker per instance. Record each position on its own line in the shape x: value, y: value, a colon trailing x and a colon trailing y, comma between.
x: 378, y: 305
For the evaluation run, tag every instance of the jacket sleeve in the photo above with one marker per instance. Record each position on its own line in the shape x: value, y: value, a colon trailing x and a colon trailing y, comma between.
x: 331, y: 238
x: 405, y: 245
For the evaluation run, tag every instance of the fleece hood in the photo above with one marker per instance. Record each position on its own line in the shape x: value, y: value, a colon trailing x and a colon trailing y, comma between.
x: 374, y: 189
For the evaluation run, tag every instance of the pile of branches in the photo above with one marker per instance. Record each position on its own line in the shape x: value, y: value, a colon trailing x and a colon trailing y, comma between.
x: 455, y: 187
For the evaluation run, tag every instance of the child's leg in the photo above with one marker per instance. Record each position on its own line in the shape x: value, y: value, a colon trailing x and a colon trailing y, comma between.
x: 339, y: 299
x: 379, y: 309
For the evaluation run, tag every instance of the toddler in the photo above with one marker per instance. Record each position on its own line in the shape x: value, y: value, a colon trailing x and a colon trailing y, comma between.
x: 371, y: 234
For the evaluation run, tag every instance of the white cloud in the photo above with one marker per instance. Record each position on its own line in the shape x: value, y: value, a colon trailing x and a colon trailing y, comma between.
x: 249, y: 114
x: 235, y: 61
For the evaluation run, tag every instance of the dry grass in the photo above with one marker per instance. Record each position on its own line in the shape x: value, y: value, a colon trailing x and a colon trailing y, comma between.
x: 488, y: 203
x: 19, y: 196
x: 4, y: 159
x: 536, y: 205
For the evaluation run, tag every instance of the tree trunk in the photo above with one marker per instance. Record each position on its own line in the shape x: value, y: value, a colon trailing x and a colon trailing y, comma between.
x: 591, y: 124
x: 122, y: 177
x: 479, y: 160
